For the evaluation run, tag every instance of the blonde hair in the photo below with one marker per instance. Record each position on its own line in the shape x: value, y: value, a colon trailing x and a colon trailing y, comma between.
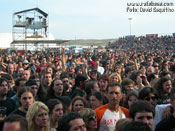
x: 118, y: 76
x: 32, y: 111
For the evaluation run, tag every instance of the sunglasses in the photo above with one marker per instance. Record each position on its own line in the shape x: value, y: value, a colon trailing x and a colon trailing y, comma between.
x: 148, y: 98
x: 92, y: 118
x: 65, y: 81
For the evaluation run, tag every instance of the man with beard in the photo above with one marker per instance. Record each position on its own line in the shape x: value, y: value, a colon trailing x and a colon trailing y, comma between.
x: 4, y: 101
x: 66, y: 82
x: 109, y: 114
x: 47, y: 81
x: 26, y: 98
x: 79, y: 86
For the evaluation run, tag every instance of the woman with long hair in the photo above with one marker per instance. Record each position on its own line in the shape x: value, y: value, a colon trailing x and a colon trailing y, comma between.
x: 38, y: 117
x: 55, y: 112
x: 55, y: 90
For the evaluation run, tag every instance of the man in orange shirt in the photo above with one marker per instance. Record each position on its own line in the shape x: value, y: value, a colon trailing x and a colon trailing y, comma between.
x: 109, y: 114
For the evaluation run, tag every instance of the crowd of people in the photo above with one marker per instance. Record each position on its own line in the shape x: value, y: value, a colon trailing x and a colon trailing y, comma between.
x: 129, y: 86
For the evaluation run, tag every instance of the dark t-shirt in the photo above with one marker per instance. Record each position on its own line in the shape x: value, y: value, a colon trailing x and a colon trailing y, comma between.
x: 9, y: 104
x: 167, y: 124
x: 18, y: 112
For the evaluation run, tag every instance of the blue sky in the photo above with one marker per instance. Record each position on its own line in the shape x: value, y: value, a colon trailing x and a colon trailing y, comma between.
x: 92, y: 19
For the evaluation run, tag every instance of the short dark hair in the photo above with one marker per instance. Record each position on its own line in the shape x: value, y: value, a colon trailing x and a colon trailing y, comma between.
x: 146, y: 91
x: 64, y: 75
x: 134, y: 75
x: 127, y: 81
x: 80, y: 77
x: 164, y: 73
x: 2, y: 80
x: 17, y: 118
x: 64, y: 121
x: 17, y: 81
x: 7, y: 76
x: 100, y: 96
x: 136, y: 126
x: 112, y: 84
x: 140, y: 106
x: 31, y: 82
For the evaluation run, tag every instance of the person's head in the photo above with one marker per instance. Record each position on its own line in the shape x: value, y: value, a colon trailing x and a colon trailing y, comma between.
x: 142, y: 111
x: 25, y: 64
x: 91, y: 86
x: 19, y: 83
x: 89, y: 117
x: 79, y: 103
x: 67, y: 103
x: 103, y: 82
x: 121, y: 123
x: 135, y: 75
x: 136, y: 126
x: 128, y: 71
x: 164, y: 86
x: 47, y: 78
x: 79, y: 69
x: 96, y: 100
x: 71, y: 122
x: 150, y: 70
x: 26, y: 97
x: 11, y: 68
x: 149, y: 61
x: 94, y: 74
x: 55, y: 109
x: 3, y: 87
x: 64, y: 76
x: 10, y: 80
x: 118, y: 68
x: 149, y: 94
x: 151, y: 78
x: 114, y: 93
x: 43, y: 60
x: 142, y: 69
x: 49, y: 69
x: 26, y: 74
x: 71, y: 70
x: 165, y: 64
x: 15, y: 123
x: 20, y: 71
x: 56, y: 88
x: 165, y: 74
x: 38, y: 116
x: 80, y: 80
x: 33, y: 85
x: 115, y: 77
x: 131, y: 97
x: 36, y: 78
x: 127, y: 85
